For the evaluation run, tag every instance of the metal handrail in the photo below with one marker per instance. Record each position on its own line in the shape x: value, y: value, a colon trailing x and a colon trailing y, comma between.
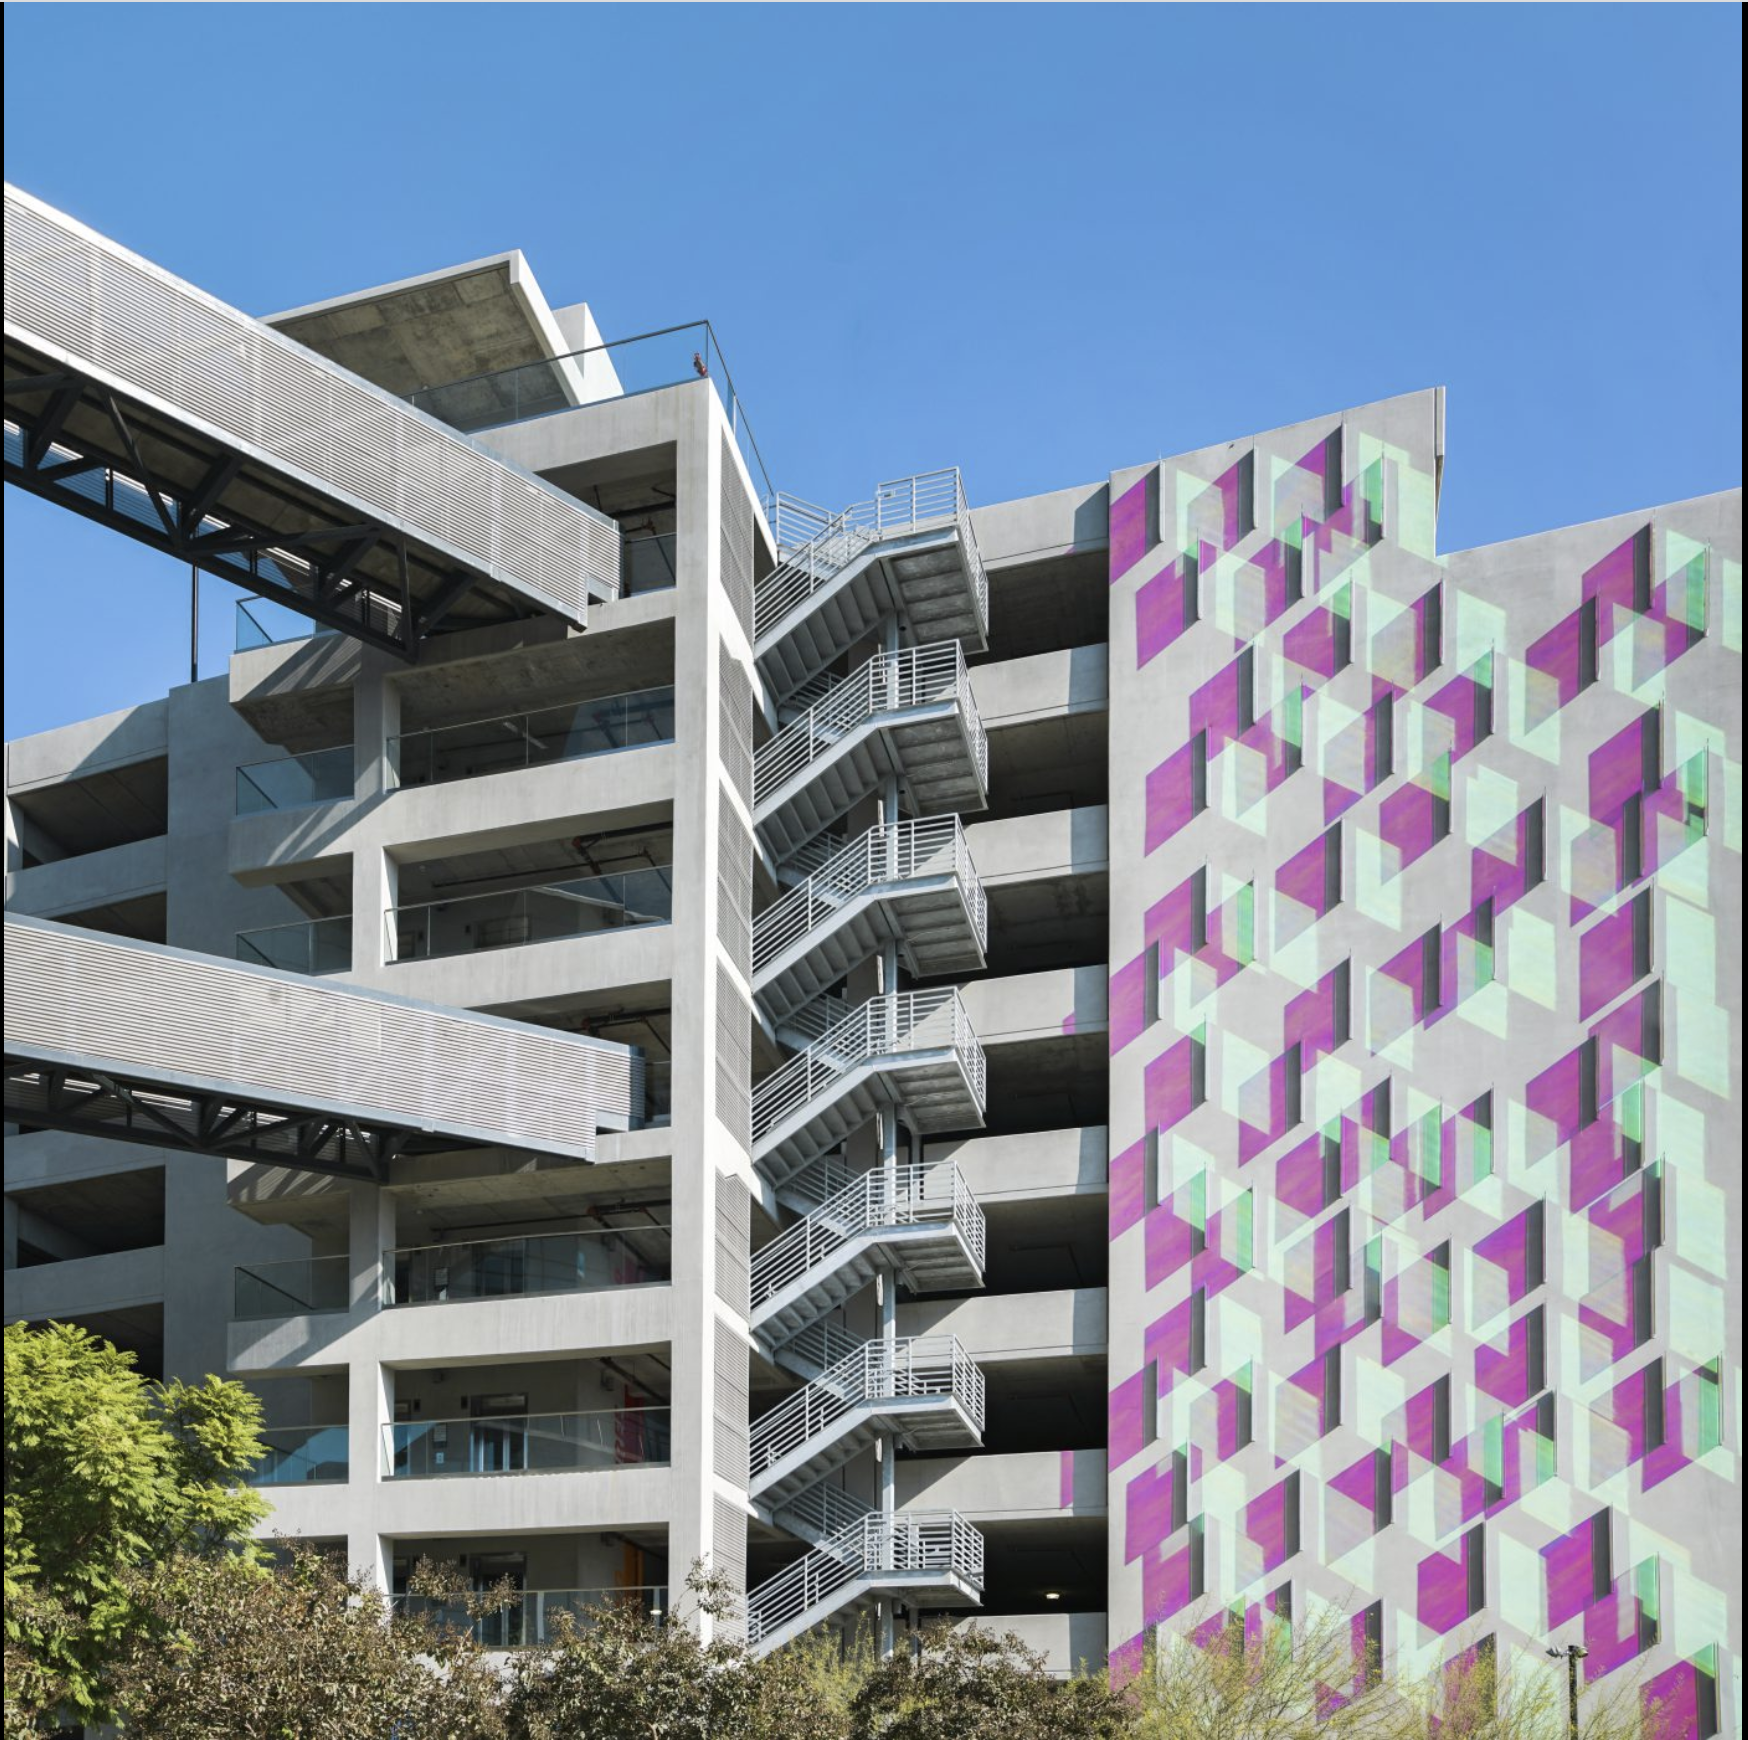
x: 885, y: 1025
x: 623, y: 901
x: 917, y: 1367
x: 886, y: 683
x: 403, y: 748
x: 535, y: 1263
x: 892, y: 1196
x: 527, y: 1620
x: 821, y: 1344
x: 430, y: 398
x: 811, y: 854
x: 634, y: 1434
x: 302, y: 1455
x: 795, y: 522
x: 821, y: 1510
x: 813, y: 1020
x: 896, y: 852
x: 262, y: 635
x: 326, y: 776
x: 264, y: 945
x: 822, y: 1178
x: 258, y: 1296
x: 905, y: 504
x: 872, y: 1546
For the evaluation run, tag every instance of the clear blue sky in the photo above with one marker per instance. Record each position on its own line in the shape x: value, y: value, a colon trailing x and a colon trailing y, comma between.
x: 1039, y: 242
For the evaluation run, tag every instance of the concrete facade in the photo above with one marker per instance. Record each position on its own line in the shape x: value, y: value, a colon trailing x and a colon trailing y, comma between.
x: 1302, y: 1219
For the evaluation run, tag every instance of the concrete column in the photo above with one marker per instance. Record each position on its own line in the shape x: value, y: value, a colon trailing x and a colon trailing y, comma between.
x: 370, y: 1406
x: 370, y: 1386
x: 371, y: 1235
x: 11, y: 1233
x: 375, y: 891
x: 376, y: 717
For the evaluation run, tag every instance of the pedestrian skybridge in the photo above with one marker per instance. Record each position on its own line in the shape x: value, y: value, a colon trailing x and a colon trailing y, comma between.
x: 145, y: 404
x: 136, y: 1042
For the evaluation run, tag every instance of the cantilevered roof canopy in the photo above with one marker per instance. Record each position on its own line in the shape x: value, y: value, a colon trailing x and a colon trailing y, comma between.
x: 141, y: 402
x: 426, y: 331
x: 141, y: 1043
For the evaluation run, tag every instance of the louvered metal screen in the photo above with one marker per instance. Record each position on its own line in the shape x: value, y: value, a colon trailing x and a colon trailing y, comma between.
x: 734, y: 1057
x: 733, y: 1242
x: 736, y: 748
x: 734, y: 884
x: 196, y: 1021
x: 108, y: 314
x: 737, y: 542
x: 729, y: 1556
x: 730, y: 1449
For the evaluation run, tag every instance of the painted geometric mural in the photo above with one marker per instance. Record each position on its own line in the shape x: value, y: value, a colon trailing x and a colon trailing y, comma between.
x: 1425, y: 1023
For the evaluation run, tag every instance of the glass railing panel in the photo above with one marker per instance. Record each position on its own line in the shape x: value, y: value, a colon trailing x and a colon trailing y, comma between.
x: 528, y: 1443
x: 291, y: 781
x: 572, y: 733
x: 552, y: 912
x: 658, y: 1091
x: 570, y: 1262
x: 261, y: 622
x: 301, y: 1456
x: 644, y: 363
x: 533, y: 1618
x: 315, y: 945
x: 647, y: 564
x: 291, y: 1287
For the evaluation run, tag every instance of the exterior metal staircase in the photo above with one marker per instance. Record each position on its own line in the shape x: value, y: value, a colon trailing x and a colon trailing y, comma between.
x: 909, y: 551
x: 929, y: 1558
x: 814, y: 1350
x: 919, y: 1222
x: 924, y: 1390
x: 915, y: 1049
x: 908, y: 713
x: 901, y: 726
x: 912, y: 882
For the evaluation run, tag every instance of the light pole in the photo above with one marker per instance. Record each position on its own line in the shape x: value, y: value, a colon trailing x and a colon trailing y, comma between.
x: 1574, y: 1654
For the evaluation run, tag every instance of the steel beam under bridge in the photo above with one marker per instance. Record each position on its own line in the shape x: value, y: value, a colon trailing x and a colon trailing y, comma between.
x: 139, y: 401
x: 136, y: 1042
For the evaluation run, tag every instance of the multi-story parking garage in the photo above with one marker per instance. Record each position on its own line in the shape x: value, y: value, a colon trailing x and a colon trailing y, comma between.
x: 1086, y: 1061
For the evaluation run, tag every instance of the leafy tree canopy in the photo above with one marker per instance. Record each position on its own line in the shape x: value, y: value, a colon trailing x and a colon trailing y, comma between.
x: 972, y: 1685
x: 107, y: 1474
x: 306, y: 1653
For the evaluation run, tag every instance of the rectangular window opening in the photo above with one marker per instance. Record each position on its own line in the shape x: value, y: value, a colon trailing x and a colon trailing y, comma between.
x: 1588, y: 651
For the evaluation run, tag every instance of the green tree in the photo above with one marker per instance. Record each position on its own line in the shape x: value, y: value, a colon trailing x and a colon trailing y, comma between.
x: 107, y: 1474
x: 300, y: 1651
x: 1304, y: 1681
x: 972, y: 1685
x: 620, y: 1673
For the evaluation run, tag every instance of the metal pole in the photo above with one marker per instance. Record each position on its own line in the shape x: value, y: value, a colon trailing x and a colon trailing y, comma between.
x: 1574, y: 1654
x: 193, y: 623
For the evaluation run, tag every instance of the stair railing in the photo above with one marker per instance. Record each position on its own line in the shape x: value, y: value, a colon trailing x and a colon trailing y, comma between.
x: 883, y: 1197
x: 905, y: 504
x: 884, y: 1026
x: 872, y: 1547
x: 915, y: 1367
x: 885, y: 683
x: 887, y: 852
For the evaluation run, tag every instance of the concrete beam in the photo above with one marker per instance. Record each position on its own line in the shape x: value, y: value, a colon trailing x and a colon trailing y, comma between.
x: 1062, y: 1324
